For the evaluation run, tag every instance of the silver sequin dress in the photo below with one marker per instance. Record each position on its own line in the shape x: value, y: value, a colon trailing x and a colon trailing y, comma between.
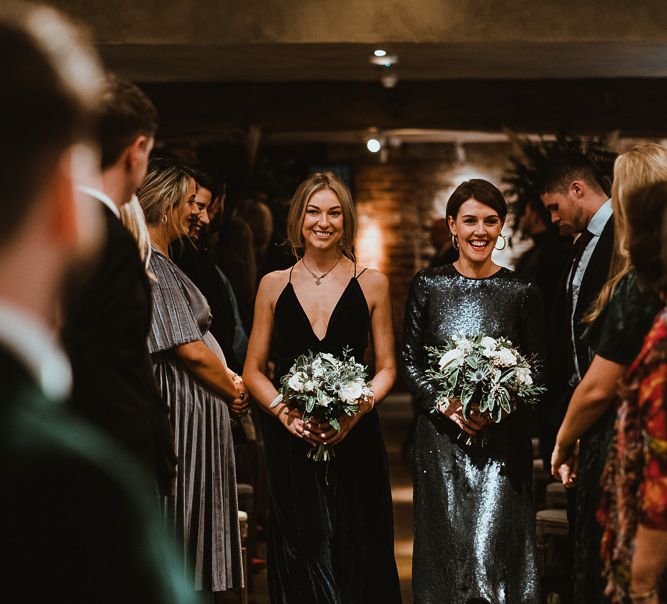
x: 474, y: 518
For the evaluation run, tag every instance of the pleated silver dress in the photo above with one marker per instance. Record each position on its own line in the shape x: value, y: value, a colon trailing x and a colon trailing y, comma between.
x: 204, y: 510
x: 474, y: 517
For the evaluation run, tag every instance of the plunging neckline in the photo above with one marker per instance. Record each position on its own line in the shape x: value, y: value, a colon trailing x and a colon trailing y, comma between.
x: 331, y: 316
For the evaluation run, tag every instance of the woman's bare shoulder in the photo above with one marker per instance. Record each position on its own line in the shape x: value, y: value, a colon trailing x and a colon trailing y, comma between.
x: 272, y: 284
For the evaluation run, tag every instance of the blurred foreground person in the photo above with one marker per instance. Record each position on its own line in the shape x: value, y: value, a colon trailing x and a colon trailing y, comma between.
x: 107, y: 318
x: 77, y: 521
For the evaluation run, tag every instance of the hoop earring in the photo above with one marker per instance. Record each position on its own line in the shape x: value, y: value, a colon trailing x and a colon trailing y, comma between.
x: 455, y: 242
x: 163, y: 220
x: 504, y: 242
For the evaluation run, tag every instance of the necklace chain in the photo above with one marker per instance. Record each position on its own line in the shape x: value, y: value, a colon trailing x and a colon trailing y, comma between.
x: 318, y: 278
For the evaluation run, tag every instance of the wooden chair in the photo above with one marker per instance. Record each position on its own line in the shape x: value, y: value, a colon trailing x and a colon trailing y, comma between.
x: 551, y: 526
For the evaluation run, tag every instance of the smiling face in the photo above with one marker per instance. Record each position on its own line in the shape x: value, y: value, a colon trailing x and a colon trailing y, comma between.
x: 184, y: 212
x: 322, y: 221
x: 200, y: 218
x: 477, y: 227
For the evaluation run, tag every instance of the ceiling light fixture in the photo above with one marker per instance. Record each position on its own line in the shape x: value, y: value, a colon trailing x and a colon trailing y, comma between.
x: 385, y: 60
x: 373, y: 145
x: 380, y: 53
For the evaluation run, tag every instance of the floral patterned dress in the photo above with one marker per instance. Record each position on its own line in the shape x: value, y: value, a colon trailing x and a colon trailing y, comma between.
x: 635, y: 477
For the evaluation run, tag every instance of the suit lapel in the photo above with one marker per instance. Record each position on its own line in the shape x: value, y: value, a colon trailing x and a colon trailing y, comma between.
x: 597, y: 270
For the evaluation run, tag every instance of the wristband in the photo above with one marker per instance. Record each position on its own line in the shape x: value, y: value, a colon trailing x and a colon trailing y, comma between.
x: 276, y: 401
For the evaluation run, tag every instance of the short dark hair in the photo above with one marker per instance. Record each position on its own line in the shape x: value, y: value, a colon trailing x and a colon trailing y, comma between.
x: 206, y: 182
x: 49, y: 101
x: 481, y: 190
x: 647, y: 239
x: 561, y: 169
x: 126, y: 113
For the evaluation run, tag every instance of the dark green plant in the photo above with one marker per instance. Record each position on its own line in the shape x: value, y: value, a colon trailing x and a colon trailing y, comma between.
x: 526, y: 164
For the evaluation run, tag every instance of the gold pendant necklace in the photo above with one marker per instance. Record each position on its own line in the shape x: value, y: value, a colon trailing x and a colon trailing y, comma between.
x: 318, y: 278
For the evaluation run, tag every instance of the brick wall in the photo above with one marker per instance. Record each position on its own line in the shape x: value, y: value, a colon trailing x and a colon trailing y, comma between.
x: 397, y: 201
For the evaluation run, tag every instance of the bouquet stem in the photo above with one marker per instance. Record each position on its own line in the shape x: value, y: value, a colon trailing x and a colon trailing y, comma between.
x: 321, y: 453
x: 479, y: 439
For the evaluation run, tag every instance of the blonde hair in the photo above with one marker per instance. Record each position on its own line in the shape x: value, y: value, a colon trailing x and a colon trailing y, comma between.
x: 314, y: 183
x: 637, y: 168
x: 132, y: 217
x: 164, y: 188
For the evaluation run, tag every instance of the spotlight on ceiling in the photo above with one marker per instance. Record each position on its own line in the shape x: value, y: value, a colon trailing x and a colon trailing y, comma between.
x: 385, y: 60
x: 380, y: 53
x: 373, y: 145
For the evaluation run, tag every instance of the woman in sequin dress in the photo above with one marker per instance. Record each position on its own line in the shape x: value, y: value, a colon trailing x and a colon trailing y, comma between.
x: 474, y: 518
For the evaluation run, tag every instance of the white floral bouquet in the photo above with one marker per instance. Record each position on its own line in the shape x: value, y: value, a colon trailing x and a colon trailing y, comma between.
x: 488, y: 375
x: 324, y: 387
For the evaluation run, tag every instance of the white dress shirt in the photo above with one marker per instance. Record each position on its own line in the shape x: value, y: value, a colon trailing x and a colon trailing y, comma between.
x: 103, y: 197
x: 37, y: 349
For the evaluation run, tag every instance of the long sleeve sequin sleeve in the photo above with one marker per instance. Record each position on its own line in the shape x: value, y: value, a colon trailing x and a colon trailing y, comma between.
x: 413, y: 358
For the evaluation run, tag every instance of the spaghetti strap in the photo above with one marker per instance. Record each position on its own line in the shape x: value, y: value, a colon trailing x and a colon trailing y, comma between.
x: 361, y: 273
x: 290, y: 272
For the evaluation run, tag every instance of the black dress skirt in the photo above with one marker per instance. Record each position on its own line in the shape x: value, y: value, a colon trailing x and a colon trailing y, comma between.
x: 330, y: 534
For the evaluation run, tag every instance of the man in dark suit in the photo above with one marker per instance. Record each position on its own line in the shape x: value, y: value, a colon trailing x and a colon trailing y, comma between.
x: 579, y: 205
x: 107, y: 318
x: 578, y: 202
x: 77, y: 520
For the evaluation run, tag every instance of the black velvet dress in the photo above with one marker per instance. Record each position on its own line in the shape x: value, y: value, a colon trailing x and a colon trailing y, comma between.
x: 474, y: 517
x: 330, y: 537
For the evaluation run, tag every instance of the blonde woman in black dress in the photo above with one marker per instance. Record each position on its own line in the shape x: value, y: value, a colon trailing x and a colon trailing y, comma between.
x: 330, y: 538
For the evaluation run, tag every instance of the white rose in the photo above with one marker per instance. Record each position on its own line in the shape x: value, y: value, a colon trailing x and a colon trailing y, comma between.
x: 451, y: 356
x: 462, y: 342
x: 523, y: 376
x: 296, y: 382
x: 329, y: 357
x: 318, y: 370
x: 350, y: 392
x: 489, y: 345
x: 488, y: 342
x: 505, y: 357
x: 309, y: 386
